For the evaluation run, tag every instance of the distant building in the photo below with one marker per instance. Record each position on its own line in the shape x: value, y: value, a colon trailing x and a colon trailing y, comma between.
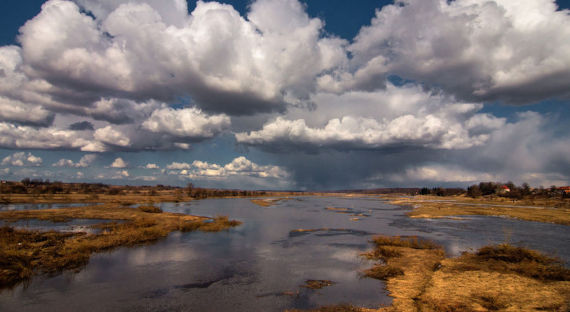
x: 504, y: 189
x: 565, y: 189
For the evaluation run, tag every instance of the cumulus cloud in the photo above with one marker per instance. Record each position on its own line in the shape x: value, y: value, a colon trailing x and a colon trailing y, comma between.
x: 490, y: 50
x: 26, y: 137
x: 119, y: 163
x: 84, y: 162
x: 103, y: 75
x: 144, y: 50
x: 112, y: 136
x: 529, y: 145
x: 178, y: 166
x: 442, y: 173
x: 397, y: 116
x: 22, y: 159
x: 19, y: 112
x: 151, y: 166
x: 119, y: 175
x: 240, y: 166
x: 188, y: 123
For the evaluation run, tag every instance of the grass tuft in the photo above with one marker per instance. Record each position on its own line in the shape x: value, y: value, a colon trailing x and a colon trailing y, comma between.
x: 219, y: 223
x: 150, y: 209
x: 506, y: 258
x: 384, y: 272
x: 317, y: 284
x: 405, y: 241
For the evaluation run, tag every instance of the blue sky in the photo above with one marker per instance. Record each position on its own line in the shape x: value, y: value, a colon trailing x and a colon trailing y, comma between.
x: 282, y: 94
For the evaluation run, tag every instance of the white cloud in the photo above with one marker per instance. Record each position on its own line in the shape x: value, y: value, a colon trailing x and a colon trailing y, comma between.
x: 442, y: 173
x: 119, y: 163
x: 84, y: 162
x: 22, y: 159
x: 178, y: 166
x: 112, y: 136
x: 240, y: 166
x: 224, y: 61
x: 188, y: 123
x: 18, y: 136
x: 151, y: 166
x: 19, y: 112
x: 146, y: 178
x: 485, y: 50
x: 395, y: 116
x: 119, y: 175
x: 122, y: 111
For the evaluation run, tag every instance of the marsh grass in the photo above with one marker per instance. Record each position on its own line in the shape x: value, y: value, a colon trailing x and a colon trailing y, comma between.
x: 150, y: 209
x: 317, y: 284
x: 389, y: 250
x: 219, y: 223
x: 25, y: 253
x: 493, y: 278
x: 505, y: 258
x: 267, y: 202
x: 544, y: 210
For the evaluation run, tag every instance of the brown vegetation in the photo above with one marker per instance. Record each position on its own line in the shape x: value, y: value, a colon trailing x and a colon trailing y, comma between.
x: 491, y: 279
x: 317, y: 284
x: 150, y: 209
x: 339, y: 210
x: 540, y: 210
x: 267, y: 202
x: 44, y: 191
x: 24, y: 253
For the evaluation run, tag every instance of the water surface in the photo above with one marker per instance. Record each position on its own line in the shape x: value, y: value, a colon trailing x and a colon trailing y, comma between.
x: 260, y: 265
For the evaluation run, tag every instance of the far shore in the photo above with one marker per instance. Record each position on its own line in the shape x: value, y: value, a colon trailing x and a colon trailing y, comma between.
x: 540, y: 210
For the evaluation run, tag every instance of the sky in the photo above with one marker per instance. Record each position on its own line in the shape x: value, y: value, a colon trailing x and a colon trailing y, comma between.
x: 286, y: 94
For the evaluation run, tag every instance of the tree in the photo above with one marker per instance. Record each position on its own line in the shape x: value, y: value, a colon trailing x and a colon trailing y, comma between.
x: 474, y: 191
x: 525, y: 189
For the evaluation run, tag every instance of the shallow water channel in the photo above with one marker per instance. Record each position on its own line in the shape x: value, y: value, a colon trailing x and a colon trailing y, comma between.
x: 261, y: 265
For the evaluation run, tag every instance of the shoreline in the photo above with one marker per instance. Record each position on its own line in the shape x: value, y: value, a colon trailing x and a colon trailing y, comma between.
x: 27, y: 253
x: 456, y: 206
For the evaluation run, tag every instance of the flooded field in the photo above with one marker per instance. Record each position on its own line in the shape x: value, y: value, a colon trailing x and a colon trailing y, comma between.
x: 263, y: 264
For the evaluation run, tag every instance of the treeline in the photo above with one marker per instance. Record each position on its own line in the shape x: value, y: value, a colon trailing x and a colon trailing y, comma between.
x: 510, y: 190
x: 387, y: 190
x: 440, y: 191
x: 39, y: 187
x: 201, y: 193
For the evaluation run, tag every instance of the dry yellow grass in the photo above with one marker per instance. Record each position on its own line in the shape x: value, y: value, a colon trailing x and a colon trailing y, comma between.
x: 495, y: 278
x: 548, y: 211
x: 24, y: 253
x: 267, y: 202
